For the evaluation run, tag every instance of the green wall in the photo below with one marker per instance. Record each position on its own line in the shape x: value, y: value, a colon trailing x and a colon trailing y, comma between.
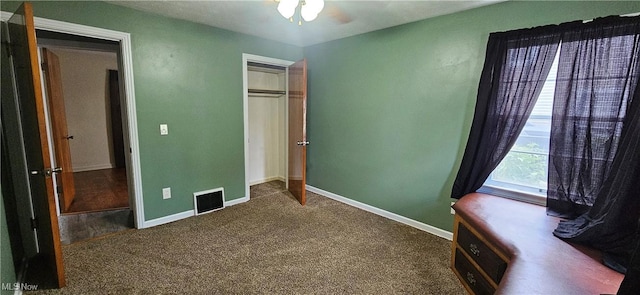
x: 188, y: 76
x: 390, y: 111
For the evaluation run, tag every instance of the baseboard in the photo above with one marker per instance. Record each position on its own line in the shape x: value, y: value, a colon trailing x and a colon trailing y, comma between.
x: 259, y: 181
x: 92, y: 167
x: 236, y: 201
x: 395, y: 217
x: 185, y: 214
x: 169, y: 218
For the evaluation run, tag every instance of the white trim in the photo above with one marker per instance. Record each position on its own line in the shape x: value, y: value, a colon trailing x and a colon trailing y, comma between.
x: 259, y: 181
x: 127, y: 68
x: 245, y: 111
x: 189, y: 213
x: 47, y: 126
x: 169, y: 218
x: 395, y: 217
x: 514, y: 194
x: 236, y: 201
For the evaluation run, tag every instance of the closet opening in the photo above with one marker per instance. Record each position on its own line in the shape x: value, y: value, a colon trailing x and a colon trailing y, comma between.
x: 265, y: 89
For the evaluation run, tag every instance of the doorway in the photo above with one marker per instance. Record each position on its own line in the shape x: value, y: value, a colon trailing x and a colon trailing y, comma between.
x: 28, y: 157
x: 265, y: 113
x: 82, y: 90
x: 275, y: 94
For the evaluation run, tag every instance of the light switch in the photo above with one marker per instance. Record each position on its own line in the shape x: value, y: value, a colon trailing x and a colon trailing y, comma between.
x: 164, y: 129
x: 166, y: 193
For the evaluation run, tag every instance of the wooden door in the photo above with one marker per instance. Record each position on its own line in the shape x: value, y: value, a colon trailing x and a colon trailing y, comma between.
x: 298, y: 130
x: 48, y: 265
x: 61, y: 137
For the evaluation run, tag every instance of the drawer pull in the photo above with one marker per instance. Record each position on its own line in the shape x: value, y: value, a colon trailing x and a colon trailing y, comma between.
x: 474, y: 249
x: 471, y: 279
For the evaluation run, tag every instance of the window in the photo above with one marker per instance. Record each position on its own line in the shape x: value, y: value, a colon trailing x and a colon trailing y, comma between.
x: 522, y: 174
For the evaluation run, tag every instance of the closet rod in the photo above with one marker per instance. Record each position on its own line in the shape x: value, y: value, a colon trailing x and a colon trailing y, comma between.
x: 268, y: 66
x: 264, y: 91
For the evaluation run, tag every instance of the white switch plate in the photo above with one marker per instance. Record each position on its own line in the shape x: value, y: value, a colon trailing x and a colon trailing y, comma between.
x: 164, y: 129
x: 166, y: 193
x: 453, y: 211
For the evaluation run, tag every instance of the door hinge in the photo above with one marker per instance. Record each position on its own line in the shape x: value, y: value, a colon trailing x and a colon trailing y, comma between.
x: 34, y: 223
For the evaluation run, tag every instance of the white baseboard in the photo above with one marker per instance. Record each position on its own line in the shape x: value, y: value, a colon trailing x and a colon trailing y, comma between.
x: 236, y: 201
x: 169, y: 218
x: 259, y: 181
x: 408, y: 221
x: 185, y: 214
x: 92, y: 167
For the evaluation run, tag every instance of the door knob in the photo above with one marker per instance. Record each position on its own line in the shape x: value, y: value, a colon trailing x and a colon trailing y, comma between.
x: 57, y: 170
x: 303, y: 143
x: 68, y: 137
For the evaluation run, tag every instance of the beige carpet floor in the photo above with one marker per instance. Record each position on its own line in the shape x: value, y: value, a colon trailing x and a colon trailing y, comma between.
x: 269, y: 245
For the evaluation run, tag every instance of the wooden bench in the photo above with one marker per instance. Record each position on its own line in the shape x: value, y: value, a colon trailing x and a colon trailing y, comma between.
x: 504, y: 246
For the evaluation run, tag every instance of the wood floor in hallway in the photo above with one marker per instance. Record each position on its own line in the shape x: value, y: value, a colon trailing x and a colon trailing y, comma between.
x: 99, y: 190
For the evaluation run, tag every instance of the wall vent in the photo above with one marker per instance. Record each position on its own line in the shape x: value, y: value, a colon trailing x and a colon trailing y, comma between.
x: 208, y: 201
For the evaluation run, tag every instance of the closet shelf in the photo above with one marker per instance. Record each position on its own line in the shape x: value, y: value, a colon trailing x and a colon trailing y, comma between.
x: 267, y: 92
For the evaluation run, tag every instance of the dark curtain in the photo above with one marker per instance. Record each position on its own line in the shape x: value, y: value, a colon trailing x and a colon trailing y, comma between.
x: 516, y: 66
x: 595, y: 138
x: 631, y: 283
x: 597, y: 75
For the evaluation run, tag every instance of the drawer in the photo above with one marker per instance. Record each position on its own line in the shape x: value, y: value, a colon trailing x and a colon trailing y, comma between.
x: 471, y: 276
x: 486, y: 258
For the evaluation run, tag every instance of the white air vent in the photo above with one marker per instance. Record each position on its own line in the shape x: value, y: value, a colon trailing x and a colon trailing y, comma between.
x: 208, y: 201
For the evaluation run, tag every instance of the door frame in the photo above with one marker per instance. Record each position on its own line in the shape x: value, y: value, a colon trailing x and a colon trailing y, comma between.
x: 245, y: 110
x: 135, y: 192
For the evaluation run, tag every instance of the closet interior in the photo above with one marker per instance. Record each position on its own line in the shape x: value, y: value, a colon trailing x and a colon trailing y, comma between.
x: 267, y: 122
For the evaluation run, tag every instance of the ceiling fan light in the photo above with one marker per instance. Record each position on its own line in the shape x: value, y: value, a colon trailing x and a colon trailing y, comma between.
x: 287, y: 8
x: 315, y: 5
x: 307, y: 14
x: 310, y: 9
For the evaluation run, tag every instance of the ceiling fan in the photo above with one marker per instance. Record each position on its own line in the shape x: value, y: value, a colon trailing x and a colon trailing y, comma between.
x: 308, y: 10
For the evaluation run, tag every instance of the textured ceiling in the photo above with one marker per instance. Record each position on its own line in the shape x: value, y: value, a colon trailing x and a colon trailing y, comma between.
x: 339, y: 19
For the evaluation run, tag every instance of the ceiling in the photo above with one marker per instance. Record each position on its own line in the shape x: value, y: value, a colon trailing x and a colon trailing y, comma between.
x: 339, y: 19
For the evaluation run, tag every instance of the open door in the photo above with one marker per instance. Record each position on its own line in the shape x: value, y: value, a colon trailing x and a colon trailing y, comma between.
x: 48, y: 265
x: 298, y: 130
x: 66, y: 186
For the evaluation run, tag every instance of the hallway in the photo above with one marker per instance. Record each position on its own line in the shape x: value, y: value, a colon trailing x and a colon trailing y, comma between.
x: 100, y: 207
x: 99, y: 190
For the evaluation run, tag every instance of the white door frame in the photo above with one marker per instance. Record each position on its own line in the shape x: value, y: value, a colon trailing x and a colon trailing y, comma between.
x: 245, y: 110
x: 137, y: 204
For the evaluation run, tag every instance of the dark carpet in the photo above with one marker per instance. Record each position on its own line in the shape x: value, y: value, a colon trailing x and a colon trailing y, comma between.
x: 269, y: 245
x: 82, y: 226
